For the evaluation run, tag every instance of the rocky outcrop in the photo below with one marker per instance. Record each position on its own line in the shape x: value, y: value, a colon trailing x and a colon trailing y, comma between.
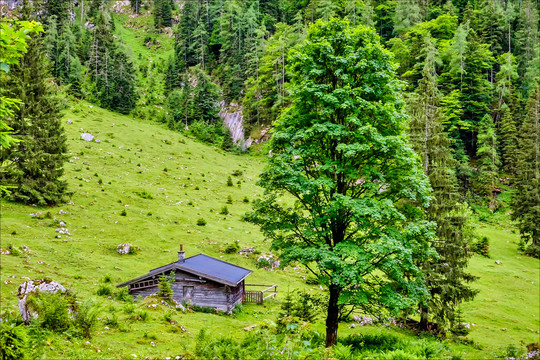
x: 231, y: 115
x: 34, y: 287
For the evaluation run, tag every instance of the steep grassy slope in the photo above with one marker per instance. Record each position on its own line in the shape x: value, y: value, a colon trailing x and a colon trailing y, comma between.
x: 165, y: 182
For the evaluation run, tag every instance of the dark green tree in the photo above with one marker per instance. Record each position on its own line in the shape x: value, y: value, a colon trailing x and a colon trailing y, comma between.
x: 445, y: 276
x: 526, y: 199
x: 34, y: 166
x: 488, y: 158
x: 340, y: 151
x: 508, y: 141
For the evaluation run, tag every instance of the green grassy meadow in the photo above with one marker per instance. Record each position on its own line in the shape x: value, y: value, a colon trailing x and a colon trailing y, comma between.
x: 165, y: 182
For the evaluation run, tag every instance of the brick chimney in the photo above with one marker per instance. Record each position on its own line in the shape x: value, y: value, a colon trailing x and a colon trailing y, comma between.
x: 181, y: 254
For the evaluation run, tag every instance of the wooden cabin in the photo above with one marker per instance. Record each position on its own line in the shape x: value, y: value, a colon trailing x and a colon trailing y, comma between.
x: 201, y: 280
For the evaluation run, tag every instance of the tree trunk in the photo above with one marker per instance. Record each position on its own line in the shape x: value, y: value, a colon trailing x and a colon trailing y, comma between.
x: 424, y: 317
x: 332, y: 316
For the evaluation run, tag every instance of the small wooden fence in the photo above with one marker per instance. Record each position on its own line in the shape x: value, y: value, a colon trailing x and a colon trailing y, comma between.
x: 258, y: 297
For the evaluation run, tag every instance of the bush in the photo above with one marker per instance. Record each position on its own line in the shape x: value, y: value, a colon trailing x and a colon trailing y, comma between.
x: 52, y: 310
x: 481, y: 247
x: 201, y: 222
x: 246, y: 200
x: 107, y: 279
x: 533, y: 250
x: 144, y: 194
x: 224, y: 210
x: 237, y: 173
x: 12, y: 341
x: 124, y: 295
x: 232, y: 248
x: 86, y: 318
x: 379, y: 341
x: 123, y: 212
x: 129, y: 308
x: 229, y: 199
x: 104, y: 290
x: 229, y: 181
x: 165, y: 291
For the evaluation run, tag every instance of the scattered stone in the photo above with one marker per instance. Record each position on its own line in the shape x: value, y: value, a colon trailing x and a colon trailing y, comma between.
x: 124, y: 249
x: 352, y: 326
x: 87, y: 136
x: 98, y: 141
x: 5, y: 252
x: 503, y: 329
x: 247, y: 251
x: 62, y: 224
x: 250, y: 327
x: 117, y: 268
x: 363, y: 320
x: 63, y: 231
x: 498, y: 262
x: 69, y: 122
x: 34, y: 287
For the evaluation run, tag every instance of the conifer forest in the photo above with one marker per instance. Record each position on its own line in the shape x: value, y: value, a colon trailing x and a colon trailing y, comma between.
x: 345, y: 179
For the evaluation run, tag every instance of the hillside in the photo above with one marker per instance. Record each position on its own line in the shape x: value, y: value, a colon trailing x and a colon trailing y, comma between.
x: 165, y: 182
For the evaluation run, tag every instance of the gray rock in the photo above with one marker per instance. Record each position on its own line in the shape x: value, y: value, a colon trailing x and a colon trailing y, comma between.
x: 69, y: 122
x: 33, y: 287
x: 498, y: 262
x: 87, y: 136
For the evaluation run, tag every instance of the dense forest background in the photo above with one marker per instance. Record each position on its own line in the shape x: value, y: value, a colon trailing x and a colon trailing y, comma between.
x: 482, y: 58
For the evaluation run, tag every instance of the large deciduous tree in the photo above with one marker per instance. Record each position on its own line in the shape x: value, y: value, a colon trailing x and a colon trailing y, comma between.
x: 357, y: 220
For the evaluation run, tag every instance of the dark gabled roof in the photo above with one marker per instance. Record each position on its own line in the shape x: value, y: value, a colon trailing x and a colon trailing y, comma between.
x: 204, y: 266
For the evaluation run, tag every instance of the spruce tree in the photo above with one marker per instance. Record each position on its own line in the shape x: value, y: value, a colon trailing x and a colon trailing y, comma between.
x: 34, y: 166
x: 508, y: 141
x: 407, y: 14
x: 488, y: 159
x: 446, y: 277
x: 526, y: 200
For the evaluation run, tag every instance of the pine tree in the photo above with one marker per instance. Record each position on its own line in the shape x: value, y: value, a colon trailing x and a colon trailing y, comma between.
x: 445, y: 276
x: 509, y: 141
x: 407, y: 14
x: 458, y: 50
x: 488, y: 159
x: 69, y: 68
x: 34, y: 165
x: 526, y: 200
x: 527, y: 37
x: 504, y: 82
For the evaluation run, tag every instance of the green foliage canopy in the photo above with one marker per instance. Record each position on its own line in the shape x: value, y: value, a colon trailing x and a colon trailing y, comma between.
x: 340, y: 151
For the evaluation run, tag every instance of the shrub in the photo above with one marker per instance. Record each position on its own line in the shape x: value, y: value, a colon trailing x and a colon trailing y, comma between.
x: 379, y: 341
x: 481, y: 247
x: 141, y: 315
x: 86, y: 318
x: 343, y: 352
x: 398, y: 355
x: 123, y: 212
x: 237, y: 309
x: 237, y: 173
x: 129, y: 308
x: 232, y: 248
x: 229, y: 199
x: 165, y: 291
x: 224, y: 210
x: 52, y: 310
x: 229, y: 181
x: 144, y: 194
x: 201, y: 222
x: 246, y: 200
x: 107, y: 279
x: 104, y: 290
x: 533, y: 250
x: 111, y: 320
x: 124, y: 295
x: 12, y: 341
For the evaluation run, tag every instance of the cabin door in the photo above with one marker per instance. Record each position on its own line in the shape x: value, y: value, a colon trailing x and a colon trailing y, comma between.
x: 188, y: 292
